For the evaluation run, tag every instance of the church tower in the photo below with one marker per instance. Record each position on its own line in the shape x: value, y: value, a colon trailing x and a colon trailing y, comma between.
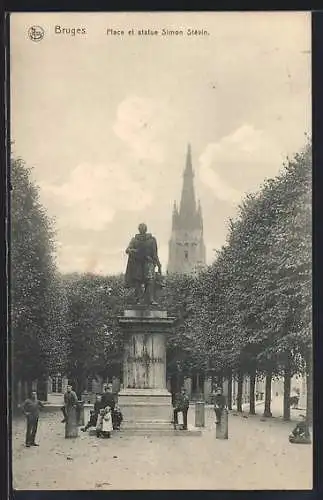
x: 186, y: 246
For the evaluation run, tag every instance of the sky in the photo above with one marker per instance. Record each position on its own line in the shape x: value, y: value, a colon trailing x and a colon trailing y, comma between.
x: 104, y: 120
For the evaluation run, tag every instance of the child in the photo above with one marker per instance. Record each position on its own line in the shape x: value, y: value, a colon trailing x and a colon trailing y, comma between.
x: 94, y: 414
x: 104, y: 423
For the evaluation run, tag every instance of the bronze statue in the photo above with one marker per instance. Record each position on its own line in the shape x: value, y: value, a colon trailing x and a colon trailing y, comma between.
x: 141, y: 268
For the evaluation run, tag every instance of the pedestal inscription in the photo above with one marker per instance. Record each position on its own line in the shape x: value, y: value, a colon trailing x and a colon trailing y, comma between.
x: 144, y: 399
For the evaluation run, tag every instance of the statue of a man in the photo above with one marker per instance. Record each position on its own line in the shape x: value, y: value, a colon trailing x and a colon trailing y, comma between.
x: 142, y: 262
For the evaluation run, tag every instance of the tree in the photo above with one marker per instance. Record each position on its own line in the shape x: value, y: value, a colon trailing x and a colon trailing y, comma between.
x: 36, y: 317
x: 95, y: 343
x: 250, y: 312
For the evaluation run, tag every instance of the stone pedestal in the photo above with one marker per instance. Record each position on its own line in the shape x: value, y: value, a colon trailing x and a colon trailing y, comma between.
x: 200, y: 414
x: 144, y: 400
x: 71, y: 426
x: 222, y: 426
x: 80, y: 413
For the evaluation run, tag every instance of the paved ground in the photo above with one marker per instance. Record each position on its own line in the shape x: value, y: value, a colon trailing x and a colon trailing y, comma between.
x: 256, y: 456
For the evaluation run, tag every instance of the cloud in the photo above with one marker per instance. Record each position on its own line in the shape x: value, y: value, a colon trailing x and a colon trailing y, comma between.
x: 87, y: 257
x: 239, y: 159
x: 140, y: 123
x: 94, y: 193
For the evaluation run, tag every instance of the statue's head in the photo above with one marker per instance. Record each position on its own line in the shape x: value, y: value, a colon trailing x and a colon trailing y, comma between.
x: 142, y: 228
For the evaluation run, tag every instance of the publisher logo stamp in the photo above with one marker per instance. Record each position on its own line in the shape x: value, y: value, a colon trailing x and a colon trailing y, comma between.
x: 36, y: 33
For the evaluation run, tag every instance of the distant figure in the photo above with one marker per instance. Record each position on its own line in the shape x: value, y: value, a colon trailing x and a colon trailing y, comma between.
x: 142, y: 262
x: 94, y: 413
x: 301, y: 433
x: 31, y: 410
x: 294, y: 399
x: 181, y: 404
x: 219, y: 404
x: 70, y: 401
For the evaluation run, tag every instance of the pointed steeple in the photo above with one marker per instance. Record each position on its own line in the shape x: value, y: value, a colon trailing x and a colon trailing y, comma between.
x: 175, y: 216
x: 199, y: 215
x: 186, y: 244
x: 189, y: 167
x: 187, y: 209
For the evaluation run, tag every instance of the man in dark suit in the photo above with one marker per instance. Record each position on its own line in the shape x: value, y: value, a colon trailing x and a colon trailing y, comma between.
x: 181, y: 404
x: 31, y: 410
x: 219, y: 404
x: 108, y: 397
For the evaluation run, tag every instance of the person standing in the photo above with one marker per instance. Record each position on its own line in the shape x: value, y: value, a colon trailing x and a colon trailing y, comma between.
x: 108, y: 397
x: 31, y: 410
x: 219, y: 404
x: 181, y: 404
x: 70, y: 401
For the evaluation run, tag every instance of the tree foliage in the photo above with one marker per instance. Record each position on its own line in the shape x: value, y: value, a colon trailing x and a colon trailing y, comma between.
x: 251, y: 309
x: 94, y: 343
x: 37, y: 315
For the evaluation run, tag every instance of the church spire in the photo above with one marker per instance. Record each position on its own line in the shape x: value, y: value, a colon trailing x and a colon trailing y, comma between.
x: 186, y: 244
x: 187, y: 209
x: 199, y: 215
x: 175, y: 216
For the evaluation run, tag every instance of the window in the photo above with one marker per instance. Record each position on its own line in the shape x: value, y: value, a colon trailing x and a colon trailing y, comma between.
x: 57, y: 384
x: 186, y: 254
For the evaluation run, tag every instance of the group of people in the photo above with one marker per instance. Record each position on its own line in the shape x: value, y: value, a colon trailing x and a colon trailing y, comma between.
x: 105, y: 417
x: 181, y: 404
x: 106, y: 414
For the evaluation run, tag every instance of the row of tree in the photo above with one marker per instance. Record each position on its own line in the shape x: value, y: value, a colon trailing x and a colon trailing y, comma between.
x: 59, y: 324
x: 249, y: 313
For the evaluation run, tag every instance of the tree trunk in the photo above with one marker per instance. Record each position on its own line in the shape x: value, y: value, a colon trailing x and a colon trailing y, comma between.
x: 42, y: 389
x: 29, y: 387
x: 79, y: 386
x: 230, y: 391
x: 239, y: 395
x: 287, y: 386
x: 309, y: 391
x: 213, y: 384
x: 252, y: 406
x: 267, y: 411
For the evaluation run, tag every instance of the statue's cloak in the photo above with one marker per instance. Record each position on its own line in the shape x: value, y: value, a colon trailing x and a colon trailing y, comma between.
x: 142, y: 262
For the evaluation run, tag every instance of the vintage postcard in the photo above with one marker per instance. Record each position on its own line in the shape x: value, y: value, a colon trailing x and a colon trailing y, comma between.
x: 161, y: 333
